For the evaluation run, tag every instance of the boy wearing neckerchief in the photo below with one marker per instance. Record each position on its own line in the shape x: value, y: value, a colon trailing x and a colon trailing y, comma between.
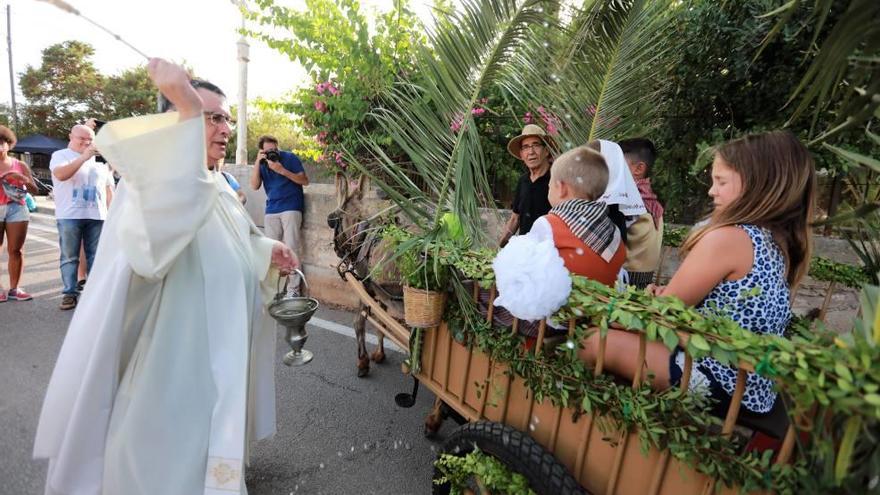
x: 586, y: 239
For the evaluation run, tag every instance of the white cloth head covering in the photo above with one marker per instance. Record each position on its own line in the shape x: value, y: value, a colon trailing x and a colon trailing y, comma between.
x: 622, y: 189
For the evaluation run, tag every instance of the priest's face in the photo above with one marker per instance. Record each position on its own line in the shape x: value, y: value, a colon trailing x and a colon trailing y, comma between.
x: 217, y: 129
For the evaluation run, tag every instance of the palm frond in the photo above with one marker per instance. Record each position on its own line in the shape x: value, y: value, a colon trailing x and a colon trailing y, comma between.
x: 605, y: 68
x: 467, y: 54
x: 846, y: 61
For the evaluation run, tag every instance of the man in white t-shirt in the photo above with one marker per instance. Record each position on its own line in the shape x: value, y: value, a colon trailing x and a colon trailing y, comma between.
x: 80, y: 187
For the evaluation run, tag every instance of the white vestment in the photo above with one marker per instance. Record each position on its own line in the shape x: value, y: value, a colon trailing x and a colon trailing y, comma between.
x: 167, y: 367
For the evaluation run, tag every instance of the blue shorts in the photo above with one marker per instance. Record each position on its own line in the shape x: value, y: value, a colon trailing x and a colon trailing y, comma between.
x: 14, y: 212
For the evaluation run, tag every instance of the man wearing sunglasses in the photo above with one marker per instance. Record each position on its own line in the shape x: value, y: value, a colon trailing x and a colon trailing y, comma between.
x: 167, y: 369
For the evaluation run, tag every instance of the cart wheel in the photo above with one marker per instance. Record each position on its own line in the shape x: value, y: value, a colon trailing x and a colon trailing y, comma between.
x: 516, y: 450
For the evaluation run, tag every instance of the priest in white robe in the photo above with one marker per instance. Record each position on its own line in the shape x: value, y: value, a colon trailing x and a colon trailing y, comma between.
x: 166, y: 371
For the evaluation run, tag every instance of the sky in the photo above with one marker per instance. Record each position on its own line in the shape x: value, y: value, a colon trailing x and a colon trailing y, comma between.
x: 201, y: 33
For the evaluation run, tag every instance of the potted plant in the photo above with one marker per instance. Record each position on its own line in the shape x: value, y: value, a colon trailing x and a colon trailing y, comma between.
x: 423, y: 277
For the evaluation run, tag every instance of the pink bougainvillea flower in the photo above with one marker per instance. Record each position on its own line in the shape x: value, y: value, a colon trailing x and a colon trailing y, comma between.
x: 527, y: 118
x: 320, y: 106
x: 457, y: 122
x: 333, y: 89
x: 476, y: 112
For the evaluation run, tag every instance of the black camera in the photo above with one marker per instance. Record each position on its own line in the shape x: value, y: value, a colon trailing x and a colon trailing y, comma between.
x: 271, y: 155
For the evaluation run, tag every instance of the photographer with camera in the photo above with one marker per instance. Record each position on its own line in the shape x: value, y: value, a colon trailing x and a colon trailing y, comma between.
x: 282, y: 175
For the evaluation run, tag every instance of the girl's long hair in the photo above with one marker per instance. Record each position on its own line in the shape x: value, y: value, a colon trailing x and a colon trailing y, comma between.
x: 778, y: 193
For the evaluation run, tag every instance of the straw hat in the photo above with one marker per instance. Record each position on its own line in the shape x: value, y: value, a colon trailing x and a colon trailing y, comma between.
x: 530, y: 130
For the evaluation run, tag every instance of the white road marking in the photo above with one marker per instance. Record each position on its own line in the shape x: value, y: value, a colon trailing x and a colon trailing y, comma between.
x: 42, y: 228
x: 318, y: 322
x: 34, y: 237
x: 349, y: 332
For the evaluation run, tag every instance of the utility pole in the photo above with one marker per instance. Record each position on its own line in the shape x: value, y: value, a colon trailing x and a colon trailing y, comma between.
x: 241, y: 157
x: 11, y: 73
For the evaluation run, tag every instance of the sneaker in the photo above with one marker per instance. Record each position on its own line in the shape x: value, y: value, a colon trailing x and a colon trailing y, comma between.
x: 67, y: 302
x: 19, y: 295
x: 2, y: 296
x: 81, y: 285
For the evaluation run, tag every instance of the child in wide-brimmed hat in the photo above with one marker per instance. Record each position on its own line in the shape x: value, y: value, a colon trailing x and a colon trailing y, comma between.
x: 534, y: 147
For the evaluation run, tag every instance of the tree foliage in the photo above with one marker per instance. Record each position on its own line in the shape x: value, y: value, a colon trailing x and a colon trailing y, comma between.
x: 67, y: 88
x: 270, y: 118
x: 350, y: 63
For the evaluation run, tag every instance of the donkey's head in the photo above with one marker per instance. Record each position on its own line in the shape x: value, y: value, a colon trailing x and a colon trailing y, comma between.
x: 347, y: 220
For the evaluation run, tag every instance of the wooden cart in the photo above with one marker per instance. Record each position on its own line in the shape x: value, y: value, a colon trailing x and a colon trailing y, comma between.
x: 574, y: 456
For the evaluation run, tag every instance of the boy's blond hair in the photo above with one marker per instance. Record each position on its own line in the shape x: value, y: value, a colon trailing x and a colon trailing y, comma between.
x: 584, y: 170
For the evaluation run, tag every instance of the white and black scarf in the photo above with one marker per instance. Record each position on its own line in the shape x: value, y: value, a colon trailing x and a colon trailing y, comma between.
x: 589, y: 222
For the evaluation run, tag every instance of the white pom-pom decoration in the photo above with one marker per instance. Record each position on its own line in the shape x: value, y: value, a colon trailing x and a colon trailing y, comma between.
x: 531, y: 278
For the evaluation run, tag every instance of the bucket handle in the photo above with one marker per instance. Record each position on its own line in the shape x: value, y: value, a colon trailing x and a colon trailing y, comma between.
x: 279, y: 291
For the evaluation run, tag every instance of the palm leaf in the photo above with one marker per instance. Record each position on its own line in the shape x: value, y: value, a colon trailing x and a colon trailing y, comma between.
x: 848, y: 55
x: 467, y: 54
x: 605, y: 69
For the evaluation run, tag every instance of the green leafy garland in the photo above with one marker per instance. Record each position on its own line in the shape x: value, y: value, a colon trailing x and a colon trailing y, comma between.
x: 841, y: 374
x: 490, y: 473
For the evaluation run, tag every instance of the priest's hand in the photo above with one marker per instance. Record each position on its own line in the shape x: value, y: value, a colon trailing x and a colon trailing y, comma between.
x: 284, y: 259
x: 173, y: 81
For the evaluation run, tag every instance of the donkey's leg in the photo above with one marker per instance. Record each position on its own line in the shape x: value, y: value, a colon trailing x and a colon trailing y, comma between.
x: 378, y: 355
x: 360, y: 324
x: 434, y: 420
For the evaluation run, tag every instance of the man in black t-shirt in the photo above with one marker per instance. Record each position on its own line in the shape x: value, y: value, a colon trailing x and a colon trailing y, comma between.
x: 533, y: 146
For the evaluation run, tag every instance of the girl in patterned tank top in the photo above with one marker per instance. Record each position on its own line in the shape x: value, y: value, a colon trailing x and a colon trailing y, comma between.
x: 742, y: 264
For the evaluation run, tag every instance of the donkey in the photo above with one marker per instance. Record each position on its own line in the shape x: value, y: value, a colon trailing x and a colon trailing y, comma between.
x: 360, y: 249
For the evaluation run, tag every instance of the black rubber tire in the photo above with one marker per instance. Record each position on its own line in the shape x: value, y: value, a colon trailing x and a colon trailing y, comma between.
x: 516, y: 450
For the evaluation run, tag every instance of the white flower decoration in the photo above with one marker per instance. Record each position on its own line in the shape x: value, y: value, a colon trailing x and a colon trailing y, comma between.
x: 531, y: 278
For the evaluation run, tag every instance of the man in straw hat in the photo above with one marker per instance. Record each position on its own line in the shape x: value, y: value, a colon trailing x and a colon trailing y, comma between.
x: 533, y: 146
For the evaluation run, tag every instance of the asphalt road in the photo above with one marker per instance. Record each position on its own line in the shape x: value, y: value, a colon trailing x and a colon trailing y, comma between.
x: 337, y: 434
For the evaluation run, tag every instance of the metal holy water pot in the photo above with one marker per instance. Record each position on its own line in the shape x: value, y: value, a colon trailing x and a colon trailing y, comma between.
x: 292, y: 312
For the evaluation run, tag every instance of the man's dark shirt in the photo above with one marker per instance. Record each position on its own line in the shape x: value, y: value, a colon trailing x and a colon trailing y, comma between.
x: 530, y: 200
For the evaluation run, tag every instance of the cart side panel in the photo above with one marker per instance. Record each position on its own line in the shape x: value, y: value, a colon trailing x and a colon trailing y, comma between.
x: 637, y: 470
x: 459, y: 359
x: 681, y: 479
x: 569, y: 437
x: 440, y: 360
x: 498, y: 390
x: 595, y: 472
x: 476, y: 385
x: 430, y: 342
x: 519, y: 405
x: 542, y: 423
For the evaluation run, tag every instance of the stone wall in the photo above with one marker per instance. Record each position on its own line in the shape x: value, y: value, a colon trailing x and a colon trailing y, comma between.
x: 319, y: 260
x: 317, y: 257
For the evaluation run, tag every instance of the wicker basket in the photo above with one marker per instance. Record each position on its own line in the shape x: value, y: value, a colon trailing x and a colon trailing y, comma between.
x: 423, y: 308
